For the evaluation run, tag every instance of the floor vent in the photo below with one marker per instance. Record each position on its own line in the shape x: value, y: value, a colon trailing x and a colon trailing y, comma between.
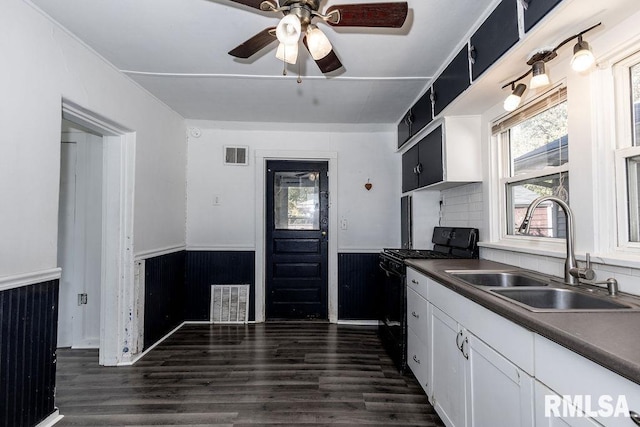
x: 230, y: 303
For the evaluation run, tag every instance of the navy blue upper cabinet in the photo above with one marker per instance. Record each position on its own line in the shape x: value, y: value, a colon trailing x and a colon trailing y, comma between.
x: 422, y: 112
x: 452, y: 82
x: 494, y: 37
x: 405, y: 128
x: 417, y: 117
x: 536, y: 10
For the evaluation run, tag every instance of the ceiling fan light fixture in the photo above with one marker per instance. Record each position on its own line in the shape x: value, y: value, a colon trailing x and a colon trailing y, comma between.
x: 287, y: 53
x: 289, y: 30
x: 539, y: 77
x: 317, y: 42
x: 583, y: 58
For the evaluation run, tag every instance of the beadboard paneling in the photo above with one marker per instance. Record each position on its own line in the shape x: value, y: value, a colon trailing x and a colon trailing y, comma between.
x: 28, y: 341
x: 164, y: 295
x: 206, y: 268
x: 358, y: 286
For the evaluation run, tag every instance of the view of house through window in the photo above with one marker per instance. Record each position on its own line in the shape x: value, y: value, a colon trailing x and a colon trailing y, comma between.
x: 535, y: 157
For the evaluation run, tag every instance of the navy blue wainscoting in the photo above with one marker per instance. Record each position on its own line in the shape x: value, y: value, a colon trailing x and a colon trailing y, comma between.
x: 206, y: 268
x: 28, y: 341
x: 164, y: 295
x: 359, y: 287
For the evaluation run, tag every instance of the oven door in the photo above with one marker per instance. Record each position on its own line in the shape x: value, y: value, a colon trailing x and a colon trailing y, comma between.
x: 393, y: 323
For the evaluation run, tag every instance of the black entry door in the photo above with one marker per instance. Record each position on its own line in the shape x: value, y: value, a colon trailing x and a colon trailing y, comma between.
x: 296, y: 240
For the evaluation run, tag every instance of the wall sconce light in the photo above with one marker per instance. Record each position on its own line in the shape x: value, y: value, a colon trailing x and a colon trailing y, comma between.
x: 582, y: 60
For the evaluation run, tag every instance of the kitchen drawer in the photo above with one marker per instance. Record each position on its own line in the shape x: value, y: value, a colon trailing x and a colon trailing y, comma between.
x: 417, y: 314
x: 417, y: 282
x: 511, y: 340
x: 569, y: 374
x: 418, y: 359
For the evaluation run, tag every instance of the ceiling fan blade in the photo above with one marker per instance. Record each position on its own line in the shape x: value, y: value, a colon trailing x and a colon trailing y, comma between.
x: 255, y: 43
x: 390, y: 15
x: 259, y: 4
x: 327, y: 64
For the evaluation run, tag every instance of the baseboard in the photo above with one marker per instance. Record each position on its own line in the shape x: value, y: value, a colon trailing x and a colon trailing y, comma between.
x: 359, y: 322
x: 186, y: 322
x: 51, y: 419
x: 144, y: 353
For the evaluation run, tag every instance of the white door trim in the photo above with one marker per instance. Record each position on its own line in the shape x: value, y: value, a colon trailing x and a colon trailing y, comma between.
x: 117, y: 311
x: 261, y: 160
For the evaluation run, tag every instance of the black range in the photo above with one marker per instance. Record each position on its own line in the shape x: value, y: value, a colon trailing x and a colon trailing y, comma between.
x: 448, y: 243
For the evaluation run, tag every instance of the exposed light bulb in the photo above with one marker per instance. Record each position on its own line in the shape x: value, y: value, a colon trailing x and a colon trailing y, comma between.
x: 513, y: 100
x: 583, y: 58
x: 317, y: 42
x: 539, y: 77
x: 287, y: 53
x: 289, y: 29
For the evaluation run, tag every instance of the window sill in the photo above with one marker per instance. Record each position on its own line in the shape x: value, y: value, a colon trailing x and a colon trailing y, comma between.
x: 529, y: 246
x: 628, y: 259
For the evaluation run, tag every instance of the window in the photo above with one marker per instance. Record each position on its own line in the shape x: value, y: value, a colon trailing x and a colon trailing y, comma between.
x: 534, y: 146
x: 627, y: 75
x: 297, y: 201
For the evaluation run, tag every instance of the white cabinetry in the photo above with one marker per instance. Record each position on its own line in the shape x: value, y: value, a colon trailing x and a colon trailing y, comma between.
x: 598, y: 392
x: 546, y: 418
x: 418, y: 313
x: 447, y: 369
x: 470, y: 383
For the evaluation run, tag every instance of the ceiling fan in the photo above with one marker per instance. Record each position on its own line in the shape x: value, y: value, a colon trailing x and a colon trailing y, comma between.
x: 297, y: 24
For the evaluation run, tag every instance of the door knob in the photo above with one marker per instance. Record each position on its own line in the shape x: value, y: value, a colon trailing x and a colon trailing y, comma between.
x: 324, y: 233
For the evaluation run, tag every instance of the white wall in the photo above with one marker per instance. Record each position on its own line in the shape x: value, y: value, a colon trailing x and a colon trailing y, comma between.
x: 42, y: 64
x: 373, y: 217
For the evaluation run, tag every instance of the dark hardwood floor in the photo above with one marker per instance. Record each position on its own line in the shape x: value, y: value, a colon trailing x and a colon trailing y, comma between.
x: 275, y: 374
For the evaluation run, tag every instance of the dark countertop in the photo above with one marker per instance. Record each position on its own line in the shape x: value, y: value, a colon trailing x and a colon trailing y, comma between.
x: 608, y: 338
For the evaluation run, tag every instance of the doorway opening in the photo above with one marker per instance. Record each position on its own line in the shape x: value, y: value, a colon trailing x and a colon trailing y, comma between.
x: 296, y: 244
x: 95, y: 237
x: 80, y: 236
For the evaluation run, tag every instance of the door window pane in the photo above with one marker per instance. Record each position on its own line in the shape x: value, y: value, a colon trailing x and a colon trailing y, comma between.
x: 297, y: 200
x: 540, y: 141
x: 633, y: 186
x: 548, y: 220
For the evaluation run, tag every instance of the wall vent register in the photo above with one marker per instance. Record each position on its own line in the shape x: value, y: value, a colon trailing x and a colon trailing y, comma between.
x: 236, y: 155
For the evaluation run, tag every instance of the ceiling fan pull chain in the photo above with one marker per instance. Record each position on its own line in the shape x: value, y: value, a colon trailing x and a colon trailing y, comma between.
x: 299, y: 76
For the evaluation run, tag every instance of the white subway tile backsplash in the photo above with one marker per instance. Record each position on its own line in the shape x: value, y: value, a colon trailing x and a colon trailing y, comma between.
x: 462, y: 206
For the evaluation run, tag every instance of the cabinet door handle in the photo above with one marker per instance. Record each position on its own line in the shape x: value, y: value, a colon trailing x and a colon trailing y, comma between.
x: 415, y: 359
x: 415, y: 282
x: 635, y: 417
x: 413, y: 313
x: 465, y: 353
x: 458, y: 340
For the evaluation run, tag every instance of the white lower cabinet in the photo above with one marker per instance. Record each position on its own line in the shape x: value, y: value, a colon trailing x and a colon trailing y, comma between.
x: 551, y: 411
x: 498, y: 392
x: 472, y: 384
x: 602, y: 395
x: 447, y: 369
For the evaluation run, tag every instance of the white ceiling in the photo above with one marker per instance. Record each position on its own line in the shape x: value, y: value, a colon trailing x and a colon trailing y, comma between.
x: 177, y: 50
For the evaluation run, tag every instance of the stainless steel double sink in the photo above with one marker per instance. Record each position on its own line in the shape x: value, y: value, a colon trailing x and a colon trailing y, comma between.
x: 542, y: 293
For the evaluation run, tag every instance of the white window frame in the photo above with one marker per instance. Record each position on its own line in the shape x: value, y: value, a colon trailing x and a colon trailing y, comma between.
x: 624, y: 148
x: 504, y: 170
